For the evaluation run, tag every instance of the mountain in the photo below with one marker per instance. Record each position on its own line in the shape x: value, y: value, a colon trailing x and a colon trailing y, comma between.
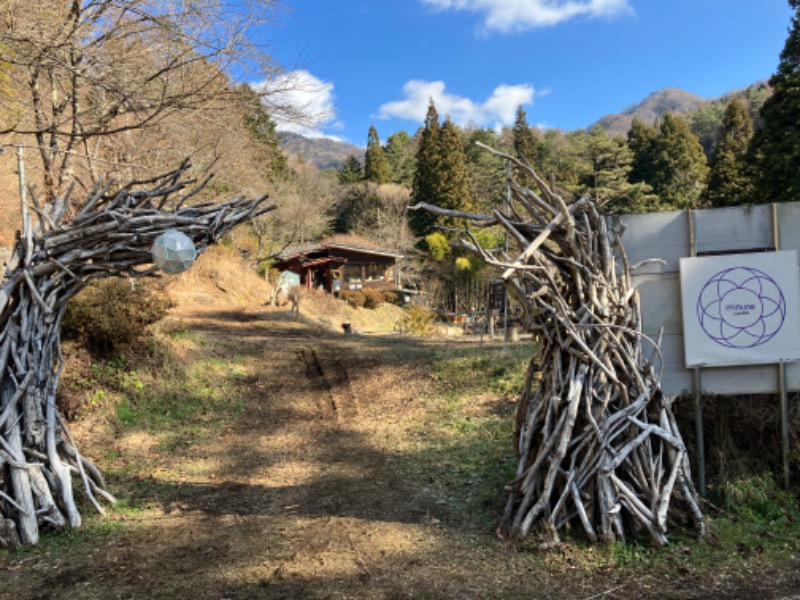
x: 324, y: 153
x: 648, y: 110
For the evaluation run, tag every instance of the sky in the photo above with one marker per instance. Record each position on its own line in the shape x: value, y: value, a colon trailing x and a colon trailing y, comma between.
x: 567, y: 62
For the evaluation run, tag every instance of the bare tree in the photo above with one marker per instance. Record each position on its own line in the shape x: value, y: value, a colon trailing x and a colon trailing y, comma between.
x: 85, y: 76
x: 304, y: 201
x: 392, y: 222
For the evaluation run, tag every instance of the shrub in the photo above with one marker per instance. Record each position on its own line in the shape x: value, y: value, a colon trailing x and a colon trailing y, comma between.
x: 418, y: 320
x: 109, y: 314
x: 390, y: 297
x: 354, y: 298
x: 373, y: 298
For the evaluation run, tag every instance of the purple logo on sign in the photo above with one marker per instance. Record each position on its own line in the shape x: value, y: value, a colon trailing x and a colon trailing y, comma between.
x: 741, y: 307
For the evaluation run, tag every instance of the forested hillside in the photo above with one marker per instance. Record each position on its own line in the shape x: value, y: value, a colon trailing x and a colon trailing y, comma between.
x: 129, y: 122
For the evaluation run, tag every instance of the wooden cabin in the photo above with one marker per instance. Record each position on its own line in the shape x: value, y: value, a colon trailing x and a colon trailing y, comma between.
x: 341, y: 262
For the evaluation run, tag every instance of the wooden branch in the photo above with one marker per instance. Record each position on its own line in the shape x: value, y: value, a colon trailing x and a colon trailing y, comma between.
x: 597, y: 443
x: 53, y: 260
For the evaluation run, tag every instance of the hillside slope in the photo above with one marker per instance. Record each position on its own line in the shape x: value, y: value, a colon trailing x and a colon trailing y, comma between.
x: 323, y: 153
x: 648, y: 110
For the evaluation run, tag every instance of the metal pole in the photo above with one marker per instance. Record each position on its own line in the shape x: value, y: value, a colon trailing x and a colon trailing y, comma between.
x: 785, y: 431
x: 784, y: 399
x: 697, y: 380
x: 699, y: 432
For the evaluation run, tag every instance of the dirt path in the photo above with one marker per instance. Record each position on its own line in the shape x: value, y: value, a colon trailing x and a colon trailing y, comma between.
x: 303, y: 494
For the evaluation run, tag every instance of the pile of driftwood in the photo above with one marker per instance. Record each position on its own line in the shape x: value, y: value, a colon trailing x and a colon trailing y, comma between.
x: 598, y: 445
x: 60, y: 250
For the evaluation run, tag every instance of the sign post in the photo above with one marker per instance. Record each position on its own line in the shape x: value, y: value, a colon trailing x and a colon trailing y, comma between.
x: 742, y: 309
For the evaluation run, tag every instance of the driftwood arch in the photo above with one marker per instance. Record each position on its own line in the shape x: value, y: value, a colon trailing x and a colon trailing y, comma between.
x: 599, y: 448
x: 55, y: 257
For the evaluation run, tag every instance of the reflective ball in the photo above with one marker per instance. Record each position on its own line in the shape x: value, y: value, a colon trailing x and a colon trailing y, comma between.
x: 174, y: 252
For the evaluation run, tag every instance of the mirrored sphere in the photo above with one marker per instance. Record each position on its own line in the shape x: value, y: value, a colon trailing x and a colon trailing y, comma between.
x: 174, y: 252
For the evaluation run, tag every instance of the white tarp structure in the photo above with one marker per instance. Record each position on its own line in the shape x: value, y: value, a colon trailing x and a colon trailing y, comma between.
x: 720, y: 238
x: 719, y: 232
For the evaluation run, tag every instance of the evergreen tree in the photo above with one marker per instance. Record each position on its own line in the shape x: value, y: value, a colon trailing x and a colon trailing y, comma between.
x: 602, y: 172
x: 641, y: 141
x: 399, y: 150
x: 426, y: 174
x: 262, y: 130
x: 454, y: 183
x: 729, y: 181
x: 487, y: 170
x: 706, y: 124
x: 350, y: 172
x: 680, y: 166
x: 526, y: 147
x: 376, y: 169
x: 776, y: 146
x: 357, y: 210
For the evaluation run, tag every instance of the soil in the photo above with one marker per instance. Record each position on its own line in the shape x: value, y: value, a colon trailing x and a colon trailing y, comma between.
x: 302, y: 495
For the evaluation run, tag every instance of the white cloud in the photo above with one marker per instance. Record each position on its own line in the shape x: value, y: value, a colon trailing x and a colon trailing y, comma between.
x: 519, y: 15
x: 500, y: 107
x: 301, y: 103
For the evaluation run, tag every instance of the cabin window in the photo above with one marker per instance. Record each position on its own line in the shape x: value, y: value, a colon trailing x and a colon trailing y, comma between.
x: 352, y: 273
x: 375, y: 273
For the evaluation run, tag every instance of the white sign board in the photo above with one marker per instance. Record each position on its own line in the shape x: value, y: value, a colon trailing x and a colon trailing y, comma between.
x: 741, y: 309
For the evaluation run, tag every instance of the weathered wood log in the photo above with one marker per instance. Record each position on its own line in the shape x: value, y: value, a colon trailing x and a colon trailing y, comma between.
x: 54, y: 258
x: 598, y: 446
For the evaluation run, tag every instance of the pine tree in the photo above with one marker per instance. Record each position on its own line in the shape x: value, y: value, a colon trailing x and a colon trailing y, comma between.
x: 263, y: 131
x: 426, y: 174
x: 376, y: 169
x: 488, y: 171
x: 357, y: 210
x: 350, y: 172
x: 776, y: 146
x: 602, y: 170
x: 680, y: 166
x: 729, y: 182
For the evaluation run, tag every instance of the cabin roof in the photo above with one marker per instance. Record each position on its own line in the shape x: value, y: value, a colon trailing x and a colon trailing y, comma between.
x: 351, y: 242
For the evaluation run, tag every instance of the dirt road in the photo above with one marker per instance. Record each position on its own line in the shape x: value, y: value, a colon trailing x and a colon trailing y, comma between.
x: 308, y: 489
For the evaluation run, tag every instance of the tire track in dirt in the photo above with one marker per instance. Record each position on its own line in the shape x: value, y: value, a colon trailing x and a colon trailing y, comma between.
x: 329, y: 377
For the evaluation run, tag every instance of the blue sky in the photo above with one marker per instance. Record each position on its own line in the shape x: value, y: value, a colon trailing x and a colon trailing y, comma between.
x: 568, y: 62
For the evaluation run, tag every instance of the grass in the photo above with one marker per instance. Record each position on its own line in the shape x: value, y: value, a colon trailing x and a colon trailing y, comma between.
x: 463, y: 457
x: 455, y: 448
x: 205, y: 392
x: 461, y: 447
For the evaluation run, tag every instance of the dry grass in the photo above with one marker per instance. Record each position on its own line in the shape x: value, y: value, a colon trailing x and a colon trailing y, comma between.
x: 219, y: 277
